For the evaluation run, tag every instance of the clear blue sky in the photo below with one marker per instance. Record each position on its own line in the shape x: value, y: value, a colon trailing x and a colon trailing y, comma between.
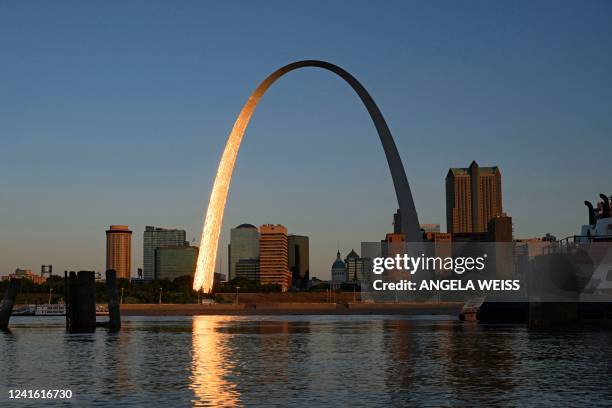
x: 117, y: 113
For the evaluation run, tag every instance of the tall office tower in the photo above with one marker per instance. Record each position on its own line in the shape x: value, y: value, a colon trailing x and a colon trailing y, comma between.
x: 172, y: 262
x: 298, y: 260
x: 273, y: 259
x: 473, y: 198
x: 155, y: 237
x: 354, y: 267
x: 119, y: 250
x: 244, y: 244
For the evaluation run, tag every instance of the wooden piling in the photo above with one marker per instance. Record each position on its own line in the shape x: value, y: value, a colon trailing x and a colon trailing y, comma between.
x: 7, y: 303
x: 114, y: 313
x: 82, y: 302
x: 67, y: 300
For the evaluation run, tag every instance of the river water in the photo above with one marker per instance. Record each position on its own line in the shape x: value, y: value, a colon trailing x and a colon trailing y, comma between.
x: 306, y: 361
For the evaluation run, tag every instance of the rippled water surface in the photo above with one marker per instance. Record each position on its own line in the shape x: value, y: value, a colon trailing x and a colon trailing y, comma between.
x: 307, y: 360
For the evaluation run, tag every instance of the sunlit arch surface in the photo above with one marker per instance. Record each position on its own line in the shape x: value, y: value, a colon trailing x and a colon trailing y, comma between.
x: 213, y: 220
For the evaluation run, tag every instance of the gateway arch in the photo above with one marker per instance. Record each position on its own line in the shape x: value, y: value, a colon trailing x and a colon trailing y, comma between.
x: 213, y: 220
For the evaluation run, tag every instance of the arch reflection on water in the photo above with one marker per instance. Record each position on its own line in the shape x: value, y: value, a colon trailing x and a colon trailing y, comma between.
x: 210, y: 368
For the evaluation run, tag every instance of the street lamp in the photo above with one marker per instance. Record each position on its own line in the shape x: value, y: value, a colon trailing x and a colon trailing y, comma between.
x: 237, y: 288
x: 160, y: 295
x: 50, y: 291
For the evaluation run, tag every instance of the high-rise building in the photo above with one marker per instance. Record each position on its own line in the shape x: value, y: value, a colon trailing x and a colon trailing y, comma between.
x: 438, y: 244
x: 175, y: 261
x: 244, y: 244
x: 298, y: 260
x: 500, y: 228
x: 473, y: 197
x: 273, y: 257
x: 155, y: 237
x: 354, y: 267
x: 248, y: 269
x: 119, y: 250
x: 502, y: 255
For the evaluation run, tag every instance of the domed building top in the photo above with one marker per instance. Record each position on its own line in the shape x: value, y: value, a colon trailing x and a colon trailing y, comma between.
x: 246, y: 226
x: 338, y: 272
x: 338, y: 263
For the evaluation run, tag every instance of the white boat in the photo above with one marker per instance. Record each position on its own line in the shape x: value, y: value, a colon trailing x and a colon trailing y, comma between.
x: 575, y: 269
x: 594, y: 269
x: 46, y: 309
x: 599, y: 228
x: 24, y: 310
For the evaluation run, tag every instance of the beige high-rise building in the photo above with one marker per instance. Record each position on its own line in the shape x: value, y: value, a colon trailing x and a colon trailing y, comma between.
x: 119, y: 250
x: 473, y: 198
x: 273, y: 259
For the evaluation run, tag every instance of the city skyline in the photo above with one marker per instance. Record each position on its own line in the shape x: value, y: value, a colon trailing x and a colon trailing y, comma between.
x: 76, y: 159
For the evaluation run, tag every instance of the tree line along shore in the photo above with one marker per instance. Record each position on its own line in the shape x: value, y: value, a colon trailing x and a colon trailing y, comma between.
x: 179, y: 291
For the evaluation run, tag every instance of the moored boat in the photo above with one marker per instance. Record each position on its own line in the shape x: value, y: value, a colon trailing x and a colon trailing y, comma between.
x: 47, y: 309
x: 570, y: 282
x: 24, y: 310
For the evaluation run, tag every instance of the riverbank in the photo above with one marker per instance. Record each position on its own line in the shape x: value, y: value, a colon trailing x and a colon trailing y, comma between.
x: 290, y: 308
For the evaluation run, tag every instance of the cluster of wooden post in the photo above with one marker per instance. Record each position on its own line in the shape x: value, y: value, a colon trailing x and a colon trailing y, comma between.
x: 80, y: 295
x: 81, y: 302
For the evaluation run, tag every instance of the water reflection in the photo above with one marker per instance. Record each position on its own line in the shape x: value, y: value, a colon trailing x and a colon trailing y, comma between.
x: 117, y: 370
x: 309, y: 360
x: 211, y: 364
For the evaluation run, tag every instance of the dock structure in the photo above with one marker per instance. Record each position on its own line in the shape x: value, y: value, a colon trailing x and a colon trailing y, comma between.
x: 81, y: 302
x: 7, y: 302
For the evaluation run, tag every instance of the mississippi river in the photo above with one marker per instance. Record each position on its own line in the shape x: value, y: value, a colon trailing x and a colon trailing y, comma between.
x: 306, y: 361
